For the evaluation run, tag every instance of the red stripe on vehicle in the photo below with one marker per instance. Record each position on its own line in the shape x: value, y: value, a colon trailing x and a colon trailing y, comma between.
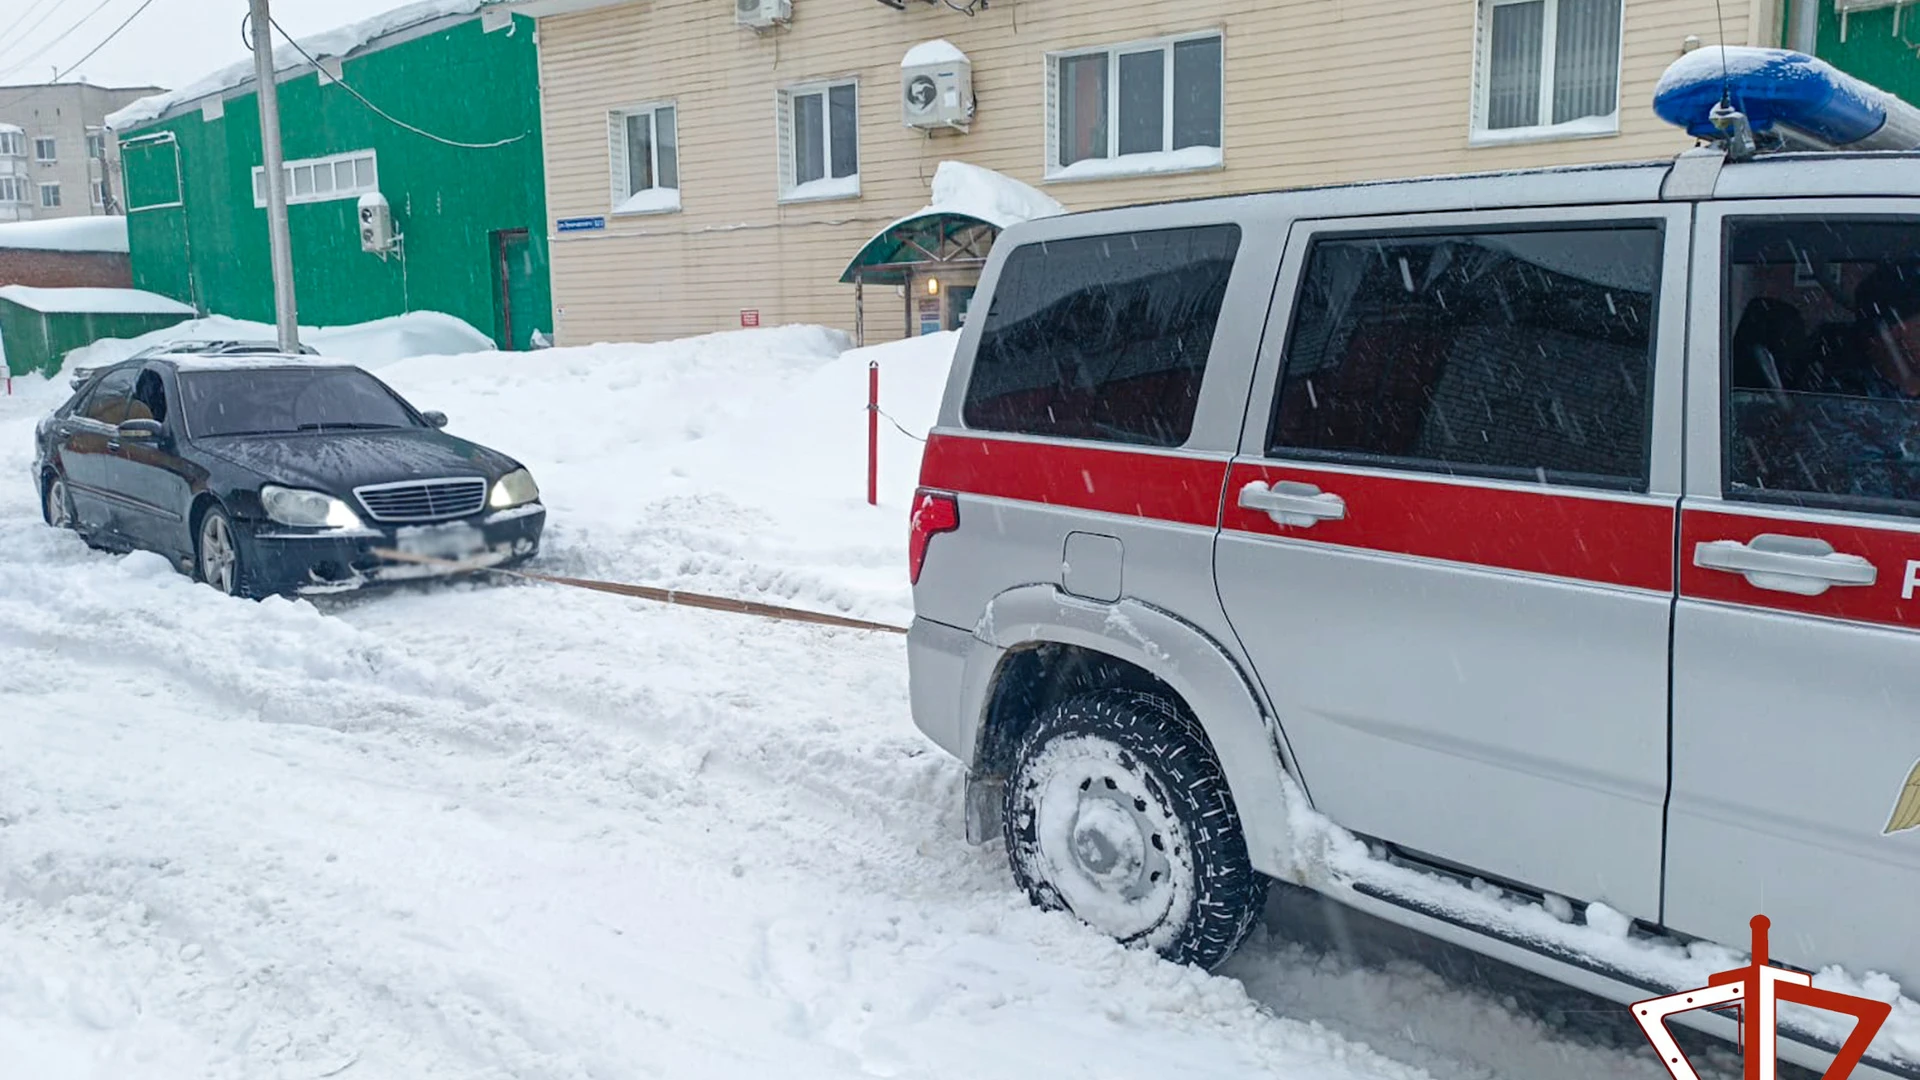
x: 1894, y: 553
x: 1608, y: 541
x: 1165, y: 487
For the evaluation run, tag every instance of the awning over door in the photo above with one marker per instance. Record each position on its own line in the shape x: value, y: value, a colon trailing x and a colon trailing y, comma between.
x: 927, y: 242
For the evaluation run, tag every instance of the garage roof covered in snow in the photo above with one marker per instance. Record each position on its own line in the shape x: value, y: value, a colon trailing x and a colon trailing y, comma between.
x: 92, y: 301
x: 102, y: 234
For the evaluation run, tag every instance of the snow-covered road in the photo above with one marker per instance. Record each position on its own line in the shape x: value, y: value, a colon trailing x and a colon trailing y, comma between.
x: 521, y: 831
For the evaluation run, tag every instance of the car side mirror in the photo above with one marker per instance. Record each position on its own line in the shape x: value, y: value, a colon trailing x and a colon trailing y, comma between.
x: 141, y: 429
x: 435, y: 419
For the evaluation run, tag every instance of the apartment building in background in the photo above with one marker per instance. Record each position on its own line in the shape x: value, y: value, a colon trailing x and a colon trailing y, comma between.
x: 718, y: 163
x: 55, y: 158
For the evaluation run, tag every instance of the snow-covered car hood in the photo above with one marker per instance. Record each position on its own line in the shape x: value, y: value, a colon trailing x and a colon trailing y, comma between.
x: 338, y: 462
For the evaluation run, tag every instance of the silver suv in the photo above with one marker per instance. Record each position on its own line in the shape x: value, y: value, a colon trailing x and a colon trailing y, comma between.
x: 1557, y: 532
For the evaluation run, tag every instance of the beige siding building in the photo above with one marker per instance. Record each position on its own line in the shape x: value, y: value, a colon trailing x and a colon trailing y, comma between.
x: 698, y: 170
x: 54, y: 153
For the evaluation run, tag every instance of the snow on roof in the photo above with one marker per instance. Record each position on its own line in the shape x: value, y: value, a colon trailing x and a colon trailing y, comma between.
x: 938, y: 51
x: 92, y: 301
x: 995, y: 198
x: 333, y: 43
x: 106, y: 233
x: 13, y: 129
x: 253, y: 362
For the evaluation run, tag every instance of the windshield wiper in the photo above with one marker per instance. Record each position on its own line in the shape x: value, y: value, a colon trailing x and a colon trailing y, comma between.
x: 348, y: 427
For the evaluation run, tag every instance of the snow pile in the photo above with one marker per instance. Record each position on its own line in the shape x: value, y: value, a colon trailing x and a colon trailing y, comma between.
x: 92, y: 301
x: 333, y: 43
x: 372, y: 344
x: 732, y: 464
x: 106, y: 233
x: 937, y: 51
x: 1712, y: 63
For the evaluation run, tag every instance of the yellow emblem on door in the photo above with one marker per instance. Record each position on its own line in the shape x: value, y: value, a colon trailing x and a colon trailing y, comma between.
x: 1906, y: 812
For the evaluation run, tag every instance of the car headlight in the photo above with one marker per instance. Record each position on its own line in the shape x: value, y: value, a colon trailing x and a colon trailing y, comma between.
x: 514, y: 489
x: 309, y: 509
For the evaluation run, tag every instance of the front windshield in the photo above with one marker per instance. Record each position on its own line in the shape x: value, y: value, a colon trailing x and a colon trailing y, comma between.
x: 286, y: 400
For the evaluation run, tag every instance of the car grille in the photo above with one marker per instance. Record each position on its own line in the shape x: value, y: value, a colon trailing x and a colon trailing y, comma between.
x: 424, y: 500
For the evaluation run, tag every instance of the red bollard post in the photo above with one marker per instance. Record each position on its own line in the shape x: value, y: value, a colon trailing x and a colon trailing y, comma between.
x: 873, y: 433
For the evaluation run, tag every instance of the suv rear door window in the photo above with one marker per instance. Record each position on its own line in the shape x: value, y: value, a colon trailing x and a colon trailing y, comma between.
x: 1103, y: 337
x: 1516, y: 354
x: 1823, y: 363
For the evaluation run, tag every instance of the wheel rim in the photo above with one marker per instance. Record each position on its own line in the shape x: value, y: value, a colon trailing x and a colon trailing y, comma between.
x: 217, y: 557
x: 57, y: 505
x: 1107, y: 843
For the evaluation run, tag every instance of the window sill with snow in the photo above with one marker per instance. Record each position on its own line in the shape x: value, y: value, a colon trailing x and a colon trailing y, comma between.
x: 838, y: 187
x: 650, y: 201
x: 1190, y: 159
x: 1587, y: 127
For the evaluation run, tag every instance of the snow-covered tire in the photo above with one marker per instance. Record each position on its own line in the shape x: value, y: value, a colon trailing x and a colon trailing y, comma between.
x: 216, y: 555
x: 1117, y: 812
x: 56, y: 503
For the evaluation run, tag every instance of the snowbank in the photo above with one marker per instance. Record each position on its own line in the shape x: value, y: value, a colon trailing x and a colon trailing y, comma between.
x: 421, y: 333
x: 105, y: 233
x: 93, y: 301
x: 337, y: 42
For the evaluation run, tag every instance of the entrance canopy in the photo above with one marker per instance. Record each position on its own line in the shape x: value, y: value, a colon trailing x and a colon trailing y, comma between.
x: 927, y: 242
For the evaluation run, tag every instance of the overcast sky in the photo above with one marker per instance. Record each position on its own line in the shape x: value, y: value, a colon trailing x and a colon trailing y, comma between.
x: 170, y: 44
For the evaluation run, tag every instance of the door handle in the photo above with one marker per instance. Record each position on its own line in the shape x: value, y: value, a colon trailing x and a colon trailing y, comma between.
x: 1792, y: 564
x: 1290, y: 502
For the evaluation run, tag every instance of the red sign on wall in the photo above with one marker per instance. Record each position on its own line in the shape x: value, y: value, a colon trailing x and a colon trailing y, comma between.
x: 749, y: 317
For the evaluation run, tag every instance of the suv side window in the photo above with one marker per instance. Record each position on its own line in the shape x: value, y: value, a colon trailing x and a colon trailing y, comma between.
x: 1511, y: 354
x: 1822, y: 363
x: 108, y: 402
x: 1102, y: 337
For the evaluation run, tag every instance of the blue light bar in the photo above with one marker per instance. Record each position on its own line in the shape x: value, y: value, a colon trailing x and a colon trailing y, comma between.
x: 1806, y: 101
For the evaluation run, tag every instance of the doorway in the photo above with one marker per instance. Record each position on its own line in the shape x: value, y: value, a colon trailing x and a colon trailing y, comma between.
x: 514, y: 303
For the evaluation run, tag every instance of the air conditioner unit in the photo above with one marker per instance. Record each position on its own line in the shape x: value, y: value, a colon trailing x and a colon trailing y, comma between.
x: 376, y: 224
x: 761, y: 14
x: 936, y: 88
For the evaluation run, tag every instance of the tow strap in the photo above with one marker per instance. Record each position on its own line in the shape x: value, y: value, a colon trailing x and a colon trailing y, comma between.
x: 648, y: 592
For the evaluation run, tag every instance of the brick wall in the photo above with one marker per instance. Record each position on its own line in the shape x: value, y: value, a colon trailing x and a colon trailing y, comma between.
x: 65, y: 269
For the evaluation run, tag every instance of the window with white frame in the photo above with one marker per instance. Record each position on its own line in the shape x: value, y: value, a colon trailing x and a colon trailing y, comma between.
x: 311, y: 180
x: 644, y: 146
x: 96, y: 143
x: 99, y: 193
x: 12, y: 190
x: 1547, y: 68
x: 49, y: 195
x: 13, y: 143
x: 1147, y: 106
x: 46, y: 151
x: 820, y: 141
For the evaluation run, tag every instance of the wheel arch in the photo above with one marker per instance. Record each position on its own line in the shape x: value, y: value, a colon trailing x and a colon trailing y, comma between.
x: 1036, y: 645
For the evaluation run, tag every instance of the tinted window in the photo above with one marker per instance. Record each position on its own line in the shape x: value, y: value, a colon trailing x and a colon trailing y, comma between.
x: 1822, y: 405
x: 1523, y: 355
x: 280, y: 400
x: 1102, y: 337
x: 108, y: 402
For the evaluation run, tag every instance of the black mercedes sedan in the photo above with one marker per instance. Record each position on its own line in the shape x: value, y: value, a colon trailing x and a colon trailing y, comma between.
x: 276, y: 474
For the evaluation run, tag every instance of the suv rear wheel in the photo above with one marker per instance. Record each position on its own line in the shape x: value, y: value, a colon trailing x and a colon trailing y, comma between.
x: 1117, y: 812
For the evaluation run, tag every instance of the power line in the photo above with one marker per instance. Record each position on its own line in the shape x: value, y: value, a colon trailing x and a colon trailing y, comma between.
x: 69, y: 69
x: 383, y: 114
x: 58, y: 38
x: 13, y: 35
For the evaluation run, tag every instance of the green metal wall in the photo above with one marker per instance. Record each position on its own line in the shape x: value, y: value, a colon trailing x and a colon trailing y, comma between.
x: 460, y: 83
x: 1872, y: 51
x: 35, y: 341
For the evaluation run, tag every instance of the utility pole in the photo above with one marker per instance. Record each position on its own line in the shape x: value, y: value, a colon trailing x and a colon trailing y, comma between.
x: 286, y: 312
